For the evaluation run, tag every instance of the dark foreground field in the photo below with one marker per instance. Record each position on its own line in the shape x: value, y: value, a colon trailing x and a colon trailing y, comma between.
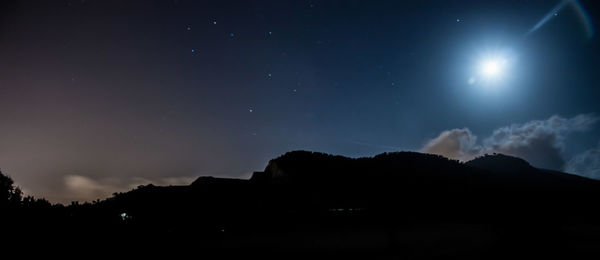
x: 397, y: 205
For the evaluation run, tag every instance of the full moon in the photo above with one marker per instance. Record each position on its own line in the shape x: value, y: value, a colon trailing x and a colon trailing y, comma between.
x: 492, y: 68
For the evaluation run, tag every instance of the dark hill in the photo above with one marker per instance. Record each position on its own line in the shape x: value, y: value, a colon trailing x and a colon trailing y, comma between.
x: 520, y: 174
x: 405, y: 204
x: 500, y: 163
x: 383, y: 181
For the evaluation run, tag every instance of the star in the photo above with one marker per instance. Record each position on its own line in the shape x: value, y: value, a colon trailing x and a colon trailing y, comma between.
x: 250, y: 110
x: 231, y: 35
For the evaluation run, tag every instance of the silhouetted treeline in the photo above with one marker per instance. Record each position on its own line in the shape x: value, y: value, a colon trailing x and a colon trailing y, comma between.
x: 11, y: 196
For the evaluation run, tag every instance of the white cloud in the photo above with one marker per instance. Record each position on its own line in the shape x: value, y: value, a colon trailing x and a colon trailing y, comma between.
x: 541, y: 142
x: 586, y: 164
x: 455, y: 143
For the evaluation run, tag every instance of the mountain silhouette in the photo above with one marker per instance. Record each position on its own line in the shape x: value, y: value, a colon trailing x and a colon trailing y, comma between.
x: 405, y: 204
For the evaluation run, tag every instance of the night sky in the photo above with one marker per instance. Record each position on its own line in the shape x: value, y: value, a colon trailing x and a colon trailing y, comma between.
x: 102, y: 96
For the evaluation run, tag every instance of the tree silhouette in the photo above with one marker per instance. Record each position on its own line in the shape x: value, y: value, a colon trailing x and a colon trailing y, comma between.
x: 10, y: 195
